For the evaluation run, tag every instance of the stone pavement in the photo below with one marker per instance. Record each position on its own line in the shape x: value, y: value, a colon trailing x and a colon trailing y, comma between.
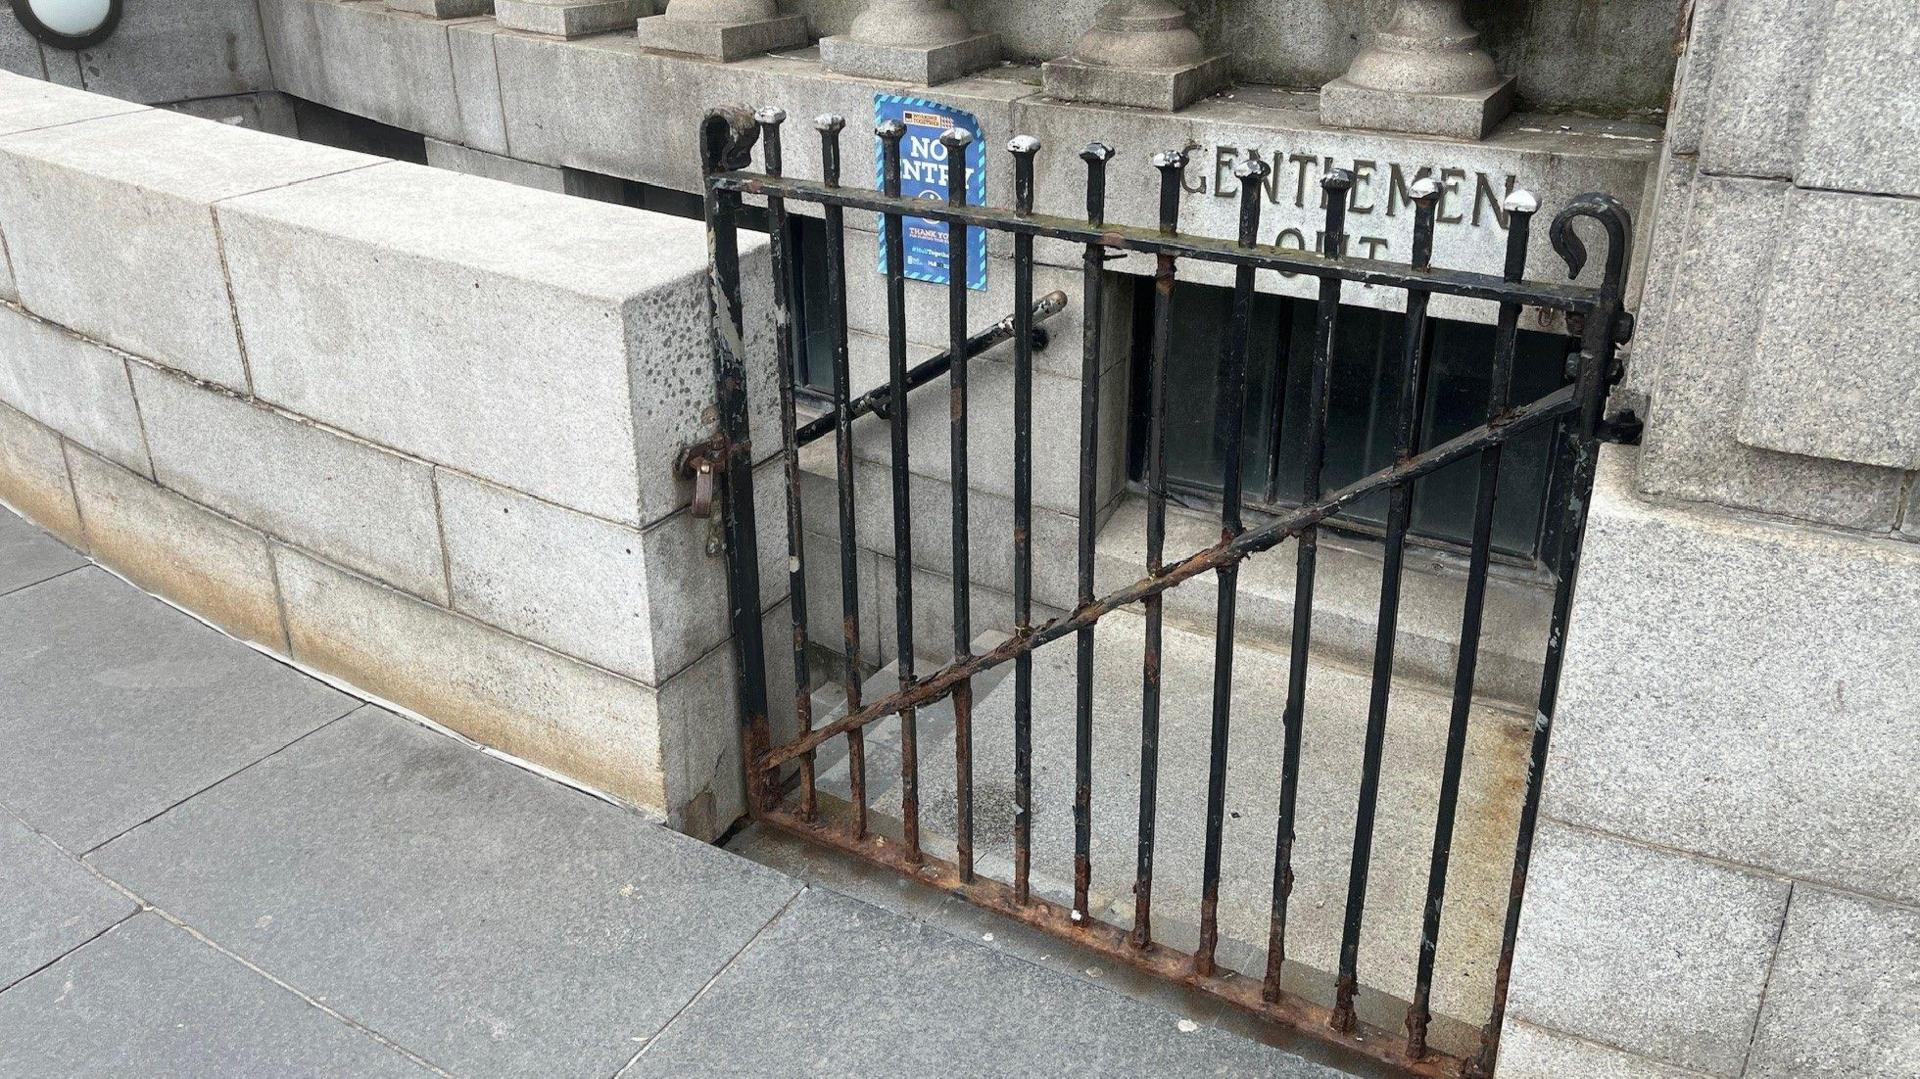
x: 211, y: 864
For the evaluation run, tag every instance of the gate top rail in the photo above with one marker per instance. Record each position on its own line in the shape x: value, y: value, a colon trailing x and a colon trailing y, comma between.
x: 1577, y: 299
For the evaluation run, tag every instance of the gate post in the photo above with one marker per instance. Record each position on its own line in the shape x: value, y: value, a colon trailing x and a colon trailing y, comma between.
x: 726, y: 142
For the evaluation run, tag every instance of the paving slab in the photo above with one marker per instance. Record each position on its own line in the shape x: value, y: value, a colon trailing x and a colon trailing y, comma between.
x: 29, y: 556
x: 147, y: 999
x: 119, y: 706
x: 492, y: 921
x: 49, y: 903
x: 838, y: 987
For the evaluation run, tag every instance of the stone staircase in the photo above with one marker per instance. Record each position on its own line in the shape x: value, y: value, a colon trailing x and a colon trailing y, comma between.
x: 1329, y: 781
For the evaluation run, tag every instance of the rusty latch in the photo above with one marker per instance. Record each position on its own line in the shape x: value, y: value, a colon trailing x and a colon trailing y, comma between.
x: 700, y: 462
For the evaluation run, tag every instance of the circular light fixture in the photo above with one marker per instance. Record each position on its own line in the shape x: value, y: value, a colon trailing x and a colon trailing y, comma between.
x: 69, y: 24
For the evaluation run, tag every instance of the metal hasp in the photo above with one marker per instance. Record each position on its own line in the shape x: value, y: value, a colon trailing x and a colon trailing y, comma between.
x: 781, y: 782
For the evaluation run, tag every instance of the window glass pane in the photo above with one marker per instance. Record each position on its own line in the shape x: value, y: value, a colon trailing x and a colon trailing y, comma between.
x: 812, y: 334
x: 1362, y: 399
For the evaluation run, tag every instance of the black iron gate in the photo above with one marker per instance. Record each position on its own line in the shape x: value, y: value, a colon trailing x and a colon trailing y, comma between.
x: 781, y: 779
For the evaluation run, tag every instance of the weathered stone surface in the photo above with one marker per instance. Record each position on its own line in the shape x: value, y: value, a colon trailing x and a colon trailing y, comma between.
x: 1167, y: 89
x: 443, y: 9
x: 642, y: 603
x: 271, y: 112
x: 560, y: 935
x: 725, y: 42
x: 547, y: 338
x: 28, y: 103
x: 990, y: 440
x: 365, y: 59
x: 348, y: 501
x: 926, y: 65
x: 33, y: 476
x: 1829, y: 376
x: 1468, y: 114
x: 476, y: 82
x: 49, y: 902
x: 457, y: 158
x: 27, y: 554
x: 1529, y: 153
x: 19, y: 52
x: 1662, y: 256
x: 1346, y: 603
x: 1605, y: 919
x: 180, y: 50
x: 1701, y: 707
x: 99, y: 675
x: 997, y: 1012
x: 1531, y: 1052
x: 1330, y: 771
x: 172, y: 547
x: 63, y: 68
x: 1767, y: 63
x: 504, y: 692
x: 1707, y: 342
x: 73, y: 386
x: 8, y: 291
x: 1862, y: 122
x: 149, y: 998
x: 1706, y: 28
x: 568, y: 18
x: 138, y: 186
x: 1840, y: 999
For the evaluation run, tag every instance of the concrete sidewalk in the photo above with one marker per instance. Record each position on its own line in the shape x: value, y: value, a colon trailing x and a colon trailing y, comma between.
x: 211, y: 864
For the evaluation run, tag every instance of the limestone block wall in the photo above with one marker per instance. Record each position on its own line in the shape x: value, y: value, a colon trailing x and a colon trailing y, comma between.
x: 1778, y: 340
x: 162, y: 53
x: 408, y: 428
x: 1725, y: 882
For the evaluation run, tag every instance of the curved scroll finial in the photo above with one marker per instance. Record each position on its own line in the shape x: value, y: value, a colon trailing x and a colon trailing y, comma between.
x: 1613, y: 217
x: 727, y: 136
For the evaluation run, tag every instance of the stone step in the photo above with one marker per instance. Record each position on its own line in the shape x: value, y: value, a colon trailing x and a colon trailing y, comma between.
x: 1329, y: 778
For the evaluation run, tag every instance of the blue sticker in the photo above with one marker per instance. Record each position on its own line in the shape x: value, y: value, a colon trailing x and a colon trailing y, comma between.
x: 924, y: 174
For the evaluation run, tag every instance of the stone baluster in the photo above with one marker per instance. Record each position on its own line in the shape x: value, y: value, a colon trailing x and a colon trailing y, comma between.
x: 920, y: 41
x: 1140, y: 53
x: 565, y: 18
x: 1424, y: 73
x: 724, y: 30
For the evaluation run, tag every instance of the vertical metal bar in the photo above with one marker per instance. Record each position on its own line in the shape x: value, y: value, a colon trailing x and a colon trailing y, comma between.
x: 785, y: 362
x: 1230, y: 415
x: 1023, y: 148
x: 1605, y: 327
x: 830, y: 126
x: 890, y: 133
x: 1520, y: 206
x: 1092, y: 305
x: 1172, y: 165
x: 1334, y: 187
x: 959, y: 143
x: 726, y: 142
x: 1406, y: 435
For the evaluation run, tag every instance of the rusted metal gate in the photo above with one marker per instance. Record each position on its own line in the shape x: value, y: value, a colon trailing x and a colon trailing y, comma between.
x: 781, y: 778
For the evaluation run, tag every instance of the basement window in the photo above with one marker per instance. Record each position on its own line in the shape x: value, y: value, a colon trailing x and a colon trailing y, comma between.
x: 1361, y: 416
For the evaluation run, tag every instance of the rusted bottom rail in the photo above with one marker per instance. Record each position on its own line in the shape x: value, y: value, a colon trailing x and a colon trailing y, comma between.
x: 1115, y: 943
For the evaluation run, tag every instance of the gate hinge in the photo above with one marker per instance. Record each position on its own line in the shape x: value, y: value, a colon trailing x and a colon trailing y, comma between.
x: 701, y: 462
x: 1622, y: 428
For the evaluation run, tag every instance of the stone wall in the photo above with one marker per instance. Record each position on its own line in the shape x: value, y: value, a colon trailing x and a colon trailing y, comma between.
x: 408, y: 428
x: 1725, y: 882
